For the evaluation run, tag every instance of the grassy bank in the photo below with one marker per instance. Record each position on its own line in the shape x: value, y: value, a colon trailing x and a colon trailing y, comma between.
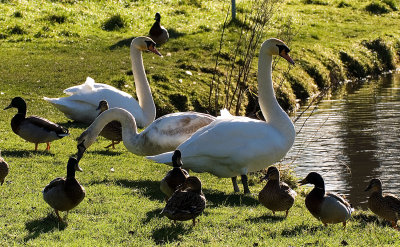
x: 43, y: 52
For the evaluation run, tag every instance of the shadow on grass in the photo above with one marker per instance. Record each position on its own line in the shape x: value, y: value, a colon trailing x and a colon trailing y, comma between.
x: 107, y: 152
x: 73, y: 124
x: 216, y: 198
x: 152, y: 214
x: 25, y: 153
x: 365, y: 219
x: 44, y: 225
x: 266, y: 218
x: 148, y: 188
x: 174, y: 34
x: 122, y: 43
x: 170, y: 233
x: 301, y: 229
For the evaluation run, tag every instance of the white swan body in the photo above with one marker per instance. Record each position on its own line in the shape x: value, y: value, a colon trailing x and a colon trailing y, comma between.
x: 83, y: 100
x: 231, y: 145
x: 163, y: 135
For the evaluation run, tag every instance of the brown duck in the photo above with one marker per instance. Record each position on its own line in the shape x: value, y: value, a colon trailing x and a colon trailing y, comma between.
x: 386, y: 206
x: 276, y: 195
x: 4, y: 168
x: 113, y: 130
x: 187, y: 202
x: 157, y: 32
x: 34, y: 129
x: 175, y: 177
x: 63, y: 194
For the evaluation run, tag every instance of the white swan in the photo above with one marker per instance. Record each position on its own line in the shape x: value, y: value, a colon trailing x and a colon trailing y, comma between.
x: 83, y: 100
x: 232, y: 146
x: 162, y: 135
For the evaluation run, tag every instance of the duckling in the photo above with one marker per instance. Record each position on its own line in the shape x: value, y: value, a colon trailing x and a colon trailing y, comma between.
x: 113, y: 130
x: 157, y: 32
x: 327, y: 207
x: 4, y: 168
x: 276, y: 195
x: 386, y: 206
x: 175, y: 177
x: 63, y: 194
x: 34, y: 129
x: 187, y: 202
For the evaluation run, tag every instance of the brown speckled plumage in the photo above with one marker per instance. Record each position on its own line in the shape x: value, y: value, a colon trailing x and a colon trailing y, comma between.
x: 113, y: 130
x: 63, y: 194
x: 175, y: 177
x: 276, y: 195
x: 186, y: 203
x: 4, y: 169
x: 386, y: 206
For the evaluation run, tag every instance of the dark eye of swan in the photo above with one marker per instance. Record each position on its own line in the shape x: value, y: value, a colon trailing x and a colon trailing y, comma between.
x: 150, y: 44
x: 283, y: 47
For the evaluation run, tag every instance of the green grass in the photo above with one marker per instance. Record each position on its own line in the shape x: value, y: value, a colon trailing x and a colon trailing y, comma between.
x: 43, y: 52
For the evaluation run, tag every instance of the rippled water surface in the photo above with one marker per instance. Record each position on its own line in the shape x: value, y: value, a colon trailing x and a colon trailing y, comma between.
x: 353, y: 137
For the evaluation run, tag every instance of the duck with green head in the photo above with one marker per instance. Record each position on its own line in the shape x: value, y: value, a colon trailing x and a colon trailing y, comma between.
x: 276, y: 195
x: 187, y: 202
x: 175, y: 177
x: 33, y: 128
x: 328, y: 207
x: 64, y: 194
x: 385, y: 205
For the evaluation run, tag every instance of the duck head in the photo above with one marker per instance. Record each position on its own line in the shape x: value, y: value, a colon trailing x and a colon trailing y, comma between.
x: 277, y: 47
x: 272, y: 174
x: 157, y: 17
x: 145, y: 44
x: 103, y: 106
x: 315, y: 179
x: 18, y: 103
x: 176, y: 159
x: 375, y: 185
x: 192, y: 183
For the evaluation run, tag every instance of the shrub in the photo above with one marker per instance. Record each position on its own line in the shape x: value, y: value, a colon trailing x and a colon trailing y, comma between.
x: 383, y: 52
x: 115, y: 22
x: 377, y: 8
x: 354, y: 67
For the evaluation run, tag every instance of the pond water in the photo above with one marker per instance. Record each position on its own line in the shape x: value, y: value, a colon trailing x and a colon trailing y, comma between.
x: 351, y: 137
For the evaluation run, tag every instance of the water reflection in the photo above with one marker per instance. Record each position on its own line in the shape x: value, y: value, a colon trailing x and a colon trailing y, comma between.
x: 352, y: 137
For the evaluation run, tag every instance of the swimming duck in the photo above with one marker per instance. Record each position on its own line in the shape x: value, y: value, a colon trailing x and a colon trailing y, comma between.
x: 187, y: 202
x: 157, y: 32
x: 113, y: 130
x: 34, y: 129
x: 276, y: 195
x: 386, y: 206
x: 174, y: 177
x: 234, y: 145
x: 64, y: 194
x: 327, y: 207
x: 83, y: 100
x: 4, y: 168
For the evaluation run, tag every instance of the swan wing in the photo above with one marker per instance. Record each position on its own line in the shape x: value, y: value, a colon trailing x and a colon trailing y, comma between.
x: 86, y: 87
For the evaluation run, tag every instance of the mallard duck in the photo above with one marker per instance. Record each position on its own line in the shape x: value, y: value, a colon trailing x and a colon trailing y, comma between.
x: 327, y: 207
x: 174, y: 177
x: 187, y: 202
x: 113, y: 130
x: 386, y: 206
x: 276, y: 195
x: 157, y: 32
x: 233, y: 145
x: 63, y: 194
x: 84, y: 99
x: 34, y: 129
x: 4, y: 168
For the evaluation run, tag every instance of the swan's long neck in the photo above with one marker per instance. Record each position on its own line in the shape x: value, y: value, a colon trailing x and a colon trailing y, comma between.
x: 272, y: 111
x: 128, y: 124
x: 143, y: 91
